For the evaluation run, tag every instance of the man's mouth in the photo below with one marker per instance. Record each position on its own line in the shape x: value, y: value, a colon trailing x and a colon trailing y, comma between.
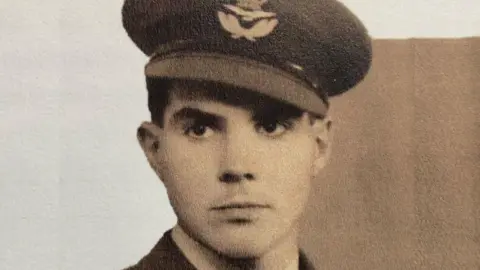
x: 240, y: 205
x: 241, y: 213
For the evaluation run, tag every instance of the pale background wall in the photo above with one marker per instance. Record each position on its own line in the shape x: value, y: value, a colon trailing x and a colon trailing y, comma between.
x: 75, y: 190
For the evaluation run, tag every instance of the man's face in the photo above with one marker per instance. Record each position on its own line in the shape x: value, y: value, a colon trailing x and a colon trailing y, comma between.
x: 238, y: 178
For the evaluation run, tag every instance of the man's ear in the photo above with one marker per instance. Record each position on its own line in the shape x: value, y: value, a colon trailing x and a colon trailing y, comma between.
x: 323, y: 132
x: 149, y: 137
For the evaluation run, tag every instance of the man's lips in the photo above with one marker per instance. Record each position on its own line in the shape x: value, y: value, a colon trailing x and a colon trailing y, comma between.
x: 240, y: 205
x: 241, y: 212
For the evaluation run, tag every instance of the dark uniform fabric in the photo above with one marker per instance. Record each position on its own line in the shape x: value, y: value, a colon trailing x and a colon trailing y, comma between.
x: 300, y: 52
x: 167, y: 256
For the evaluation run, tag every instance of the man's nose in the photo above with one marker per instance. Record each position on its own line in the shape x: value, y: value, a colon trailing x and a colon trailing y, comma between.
x: 238, y: 158
x: 233, y: 177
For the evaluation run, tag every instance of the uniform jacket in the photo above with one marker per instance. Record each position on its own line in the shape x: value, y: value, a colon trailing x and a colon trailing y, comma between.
x: 166, y: 255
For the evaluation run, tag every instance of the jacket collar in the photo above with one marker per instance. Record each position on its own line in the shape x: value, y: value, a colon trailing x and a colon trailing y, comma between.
x: 167, y: 255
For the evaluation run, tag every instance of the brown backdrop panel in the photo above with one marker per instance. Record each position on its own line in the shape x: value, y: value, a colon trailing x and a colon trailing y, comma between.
x: 402, y: 190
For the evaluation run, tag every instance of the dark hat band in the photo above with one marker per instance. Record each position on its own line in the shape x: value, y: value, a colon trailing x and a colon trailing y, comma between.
x: 238, y: 71
x: 225, y: 47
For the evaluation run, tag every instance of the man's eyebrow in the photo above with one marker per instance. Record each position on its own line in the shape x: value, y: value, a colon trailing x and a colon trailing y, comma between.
x: 187, y: 113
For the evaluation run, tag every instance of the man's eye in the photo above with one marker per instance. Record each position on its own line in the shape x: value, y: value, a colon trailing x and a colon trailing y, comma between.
x: 272, y: 129
x: 199, y: 131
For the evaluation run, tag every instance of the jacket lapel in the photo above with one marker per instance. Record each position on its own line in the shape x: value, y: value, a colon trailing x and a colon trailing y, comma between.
x: 166, y: 255
x: 304, y: 263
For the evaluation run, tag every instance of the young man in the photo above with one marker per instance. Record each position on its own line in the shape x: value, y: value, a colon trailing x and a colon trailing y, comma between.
x: 238, y: 95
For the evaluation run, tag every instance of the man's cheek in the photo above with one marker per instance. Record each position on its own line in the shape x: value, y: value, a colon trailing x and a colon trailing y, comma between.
x: 192, y: 179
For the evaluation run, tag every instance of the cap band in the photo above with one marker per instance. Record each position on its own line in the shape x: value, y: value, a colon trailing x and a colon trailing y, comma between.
x: 240, y: 72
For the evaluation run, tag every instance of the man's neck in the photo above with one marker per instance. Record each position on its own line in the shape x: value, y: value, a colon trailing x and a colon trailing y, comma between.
x: 283, y: 256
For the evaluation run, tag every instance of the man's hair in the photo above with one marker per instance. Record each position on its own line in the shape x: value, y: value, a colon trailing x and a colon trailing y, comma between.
x: 160, y: 93
x: 158, y: 98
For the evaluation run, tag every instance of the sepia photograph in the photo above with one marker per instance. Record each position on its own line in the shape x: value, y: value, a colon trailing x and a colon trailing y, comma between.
x: 240, y: 134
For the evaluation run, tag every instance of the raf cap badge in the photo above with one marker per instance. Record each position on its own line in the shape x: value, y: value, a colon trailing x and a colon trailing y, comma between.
x: 247, y: 12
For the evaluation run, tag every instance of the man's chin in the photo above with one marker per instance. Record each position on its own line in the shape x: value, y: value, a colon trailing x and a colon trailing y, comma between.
x: 241, y: 246
x: 239, y: 251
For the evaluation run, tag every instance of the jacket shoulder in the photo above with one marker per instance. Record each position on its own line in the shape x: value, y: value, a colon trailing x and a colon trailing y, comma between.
x: 164, y: 256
